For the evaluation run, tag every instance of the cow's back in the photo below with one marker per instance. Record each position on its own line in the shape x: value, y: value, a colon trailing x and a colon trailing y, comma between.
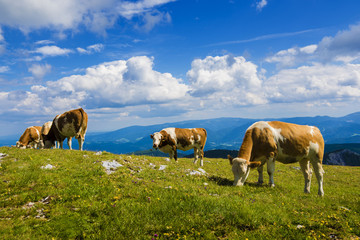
x: 46, y: 128
x: 189, y: 138
x: 289, y: 142
x: 299, y: 140
x: 71, y: 123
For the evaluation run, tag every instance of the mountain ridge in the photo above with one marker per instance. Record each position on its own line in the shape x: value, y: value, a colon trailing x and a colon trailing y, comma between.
x: 223, y: 133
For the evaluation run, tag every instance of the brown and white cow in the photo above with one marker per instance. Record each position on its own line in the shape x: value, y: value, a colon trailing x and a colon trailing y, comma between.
x: 67, y: 125
x: 169, y: 140
x: 267, y: 142
x: 30, y: 138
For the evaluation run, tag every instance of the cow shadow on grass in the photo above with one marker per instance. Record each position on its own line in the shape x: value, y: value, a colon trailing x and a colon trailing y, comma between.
x: 226, y: 182
x: 221, y: 181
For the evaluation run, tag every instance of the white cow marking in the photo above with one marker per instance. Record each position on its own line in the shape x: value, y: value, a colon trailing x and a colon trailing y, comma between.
x: 314, y: 146
x: 171, y: 132
x: 38, y: 133
x: 312, y: 131
x: 157, y: 138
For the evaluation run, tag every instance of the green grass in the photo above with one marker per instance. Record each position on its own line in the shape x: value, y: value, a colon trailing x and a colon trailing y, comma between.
x: 138, y: 201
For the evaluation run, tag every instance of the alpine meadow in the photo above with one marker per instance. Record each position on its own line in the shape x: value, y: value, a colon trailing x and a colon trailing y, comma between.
x: 67, y: 194
x: 179, y: 119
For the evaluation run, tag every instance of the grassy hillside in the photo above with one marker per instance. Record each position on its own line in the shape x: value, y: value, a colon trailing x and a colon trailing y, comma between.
x: 77, y: 199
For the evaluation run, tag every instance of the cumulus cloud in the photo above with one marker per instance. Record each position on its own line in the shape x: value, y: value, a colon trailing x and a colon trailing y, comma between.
x: 113, y: 84
x: 71, y: 14
x: 39, y: 70
x: 314, y: 83
x: 344, y: 46
x: 226, y: 79
x: 292, y: 56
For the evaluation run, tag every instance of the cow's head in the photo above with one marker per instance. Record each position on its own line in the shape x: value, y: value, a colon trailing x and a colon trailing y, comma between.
x: 47, y: 142
x: 241, y: 169
x: 158, y: 140
x: 41, y: 144
x: 20, y: 145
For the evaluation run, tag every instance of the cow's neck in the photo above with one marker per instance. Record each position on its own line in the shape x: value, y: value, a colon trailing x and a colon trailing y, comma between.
x: 246, y: 146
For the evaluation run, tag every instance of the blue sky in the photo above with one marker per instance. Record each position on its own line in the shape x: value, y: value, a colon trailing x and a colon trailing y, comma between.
x: 154, y: 61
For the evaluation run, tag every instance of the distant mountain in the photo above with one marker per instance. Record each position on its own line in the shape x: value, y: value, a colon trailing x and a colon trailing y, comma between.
x: 223, y: 133
x: 344, y: 157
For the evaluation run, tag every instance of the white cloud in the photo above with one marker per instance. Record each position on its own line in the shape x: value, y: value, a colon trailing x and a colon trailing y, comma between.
x: 329, y: 83
x: 44, y: 42
x: 151, y: 19
x: 261, y: 4
x: 61, y: 15
x: 39, y: 70
x: 1, y: 36
x: 128, y: 9
x: 52, y: 51
x: 113, y: 84
x: 4, y: 69
x: 2, y: 42
x: 345, y: 46
x: 91, y: 49
x: 292, y: 56
x: 226, y: 79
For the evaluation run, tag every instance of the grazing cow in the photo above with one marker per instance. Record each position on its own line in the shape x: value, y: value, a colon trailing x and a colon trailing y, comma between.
x: 67, y: 125
x: 267, y: 142
x: 30, y: 138
x: 169, y: 140
x: 44, y: 131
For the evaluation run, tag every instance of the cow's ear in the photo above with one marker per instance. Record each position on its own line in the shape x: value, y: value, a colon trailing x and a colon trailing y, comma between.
x: 230, y: 159
x: 254, y: 164
x: 152, y: 136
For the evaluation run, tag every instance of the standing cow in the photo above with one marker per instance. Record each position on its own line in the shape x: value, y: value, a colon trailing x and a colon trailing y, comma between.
x: 267, y: 142
x: 169, y: 140
x: 30, y: 138
x: 67, y: 125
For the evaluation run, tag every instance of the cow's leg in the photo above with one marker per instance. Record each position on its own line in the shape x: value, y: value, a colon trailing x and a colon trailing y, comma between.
x: 261, y: 176
x: 69, y: 142
x: 270, y: 170
x: 306, y: 170
x: 201, y: 157
x: 81, y: 142
x: 61, y: 143
x: 319, y: 175
x: 196, y: 155
x: 175, y: 155
x: 236, y: 172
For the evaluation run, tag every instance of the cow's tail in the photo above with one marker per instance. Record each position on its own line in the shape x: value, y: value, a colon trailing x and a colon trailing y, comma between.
x: 82, y: 112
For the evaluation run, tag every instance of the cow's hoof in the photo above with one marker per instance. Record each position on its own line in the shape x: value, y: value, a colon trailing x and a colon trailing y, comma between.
x: 272, y: 185
x: 259, y: 182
